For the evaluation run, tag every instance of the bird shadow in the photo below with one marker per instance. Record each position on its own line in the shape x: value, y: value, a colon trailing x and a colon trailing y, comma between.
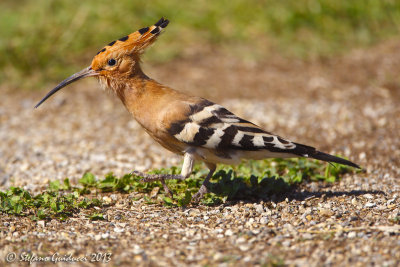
x: 275, y: 189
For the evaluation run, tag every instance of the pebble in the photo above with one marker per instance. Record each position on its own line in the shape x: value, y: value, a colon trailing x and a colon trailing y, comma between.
x: 107, y: 200
x: 326, y: 212
x: 259, y: 208
x: 118, y: 230
x: 244, y: 247
x: 307, y: 236
x: 370, y: 205
x: 105, y: 235
x: 369, y: 196
x: 228, y: 232
x: 137, y: 249
x: 240, y: 240
x: 351, y: 234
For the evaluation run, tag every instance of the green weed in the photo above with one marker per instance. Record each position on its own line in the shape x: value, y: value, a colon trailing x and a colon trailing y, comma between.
x: 250, y: 180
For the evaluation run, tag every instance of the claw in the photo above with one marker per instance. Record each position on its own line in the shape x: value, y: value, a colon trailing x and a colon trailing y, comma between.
x: 200, y: 194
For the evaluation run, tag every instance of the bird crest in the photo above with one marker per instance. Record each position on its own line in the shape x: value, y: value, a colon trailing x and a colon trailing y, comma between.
x: 133, y: 44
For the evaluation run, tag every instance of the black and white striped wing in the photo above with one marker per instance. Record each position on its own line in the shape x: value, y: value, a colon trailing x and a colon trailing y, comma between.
x: 212, y: 126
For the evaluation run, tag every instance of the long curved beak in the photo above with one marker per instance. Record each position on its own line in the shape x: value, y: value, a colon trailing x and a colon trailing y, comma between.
x: 87, y: 72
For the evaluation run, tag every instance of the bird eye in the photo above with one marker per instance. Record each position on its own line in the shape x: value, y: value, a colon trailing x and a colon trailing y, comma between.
x: 111, y: 62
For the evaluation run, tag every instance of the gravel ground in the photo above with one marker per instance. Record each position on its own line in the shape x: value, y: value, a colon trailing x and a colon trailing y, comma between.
x: 348, y: 105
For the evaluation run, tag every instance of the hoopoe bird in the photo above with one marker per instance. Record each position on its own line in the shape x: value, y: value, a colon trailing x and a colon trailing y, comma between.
x: 193, y: 127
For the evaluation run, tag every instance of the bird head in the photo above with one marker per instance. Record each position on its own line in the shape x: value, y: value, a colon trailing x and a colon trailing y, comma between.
x: 117, y: 60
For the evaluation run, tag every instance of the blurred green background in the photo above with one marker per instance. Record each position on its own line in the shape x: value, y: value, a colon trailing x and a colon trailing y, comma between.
x: 44, y: 41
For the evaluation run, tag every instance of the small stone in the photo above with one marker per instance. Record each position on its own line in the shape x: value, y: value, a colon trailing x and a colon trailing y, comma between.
x: 370, y: 205
x: 218, y: 256
x: 41, y: 235
x: 228, y: 232
x: 244, y: 247
x: 240, y: 240
x: 390, y: 201
x: 41, y: 224
x: 105, y: 235
x: 307, y: 236
x: 137, y: 249
x: 255, y: 231
x: 259, y: 208
x: 351, y: 234
x: 247, y: 259
x: 218, y: 230
x: 325, y: 212
x: 369, y: 196
x: 118, y: 230
x: 354, y: 202
x: 107, y: 199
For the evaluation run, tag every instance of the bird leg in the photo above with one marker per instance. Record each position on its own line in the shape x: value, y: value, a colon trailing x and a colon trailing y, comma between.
x: 203, y: 189
x: 157, y: 177
x: 185, y: 173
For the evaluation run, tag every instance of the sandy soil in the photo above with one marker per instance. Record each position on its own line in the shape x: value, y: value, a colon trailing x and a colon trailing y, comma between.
x: 348, y: 105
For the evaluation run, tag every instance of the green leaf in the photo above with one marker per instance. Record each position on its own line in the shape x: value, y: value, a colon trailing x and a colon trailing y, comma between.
x: 53, y: 205
x: 41, y: 214
x: 96, y: 216
x: 67, y: 185
x: 168, y: 201
x: 18, y: 208
x: 46, y: 197
x: 109, y: 183
x: 76, y: 194
x: 55, y: 185
x: 182, y: 202
x: 88, y: 179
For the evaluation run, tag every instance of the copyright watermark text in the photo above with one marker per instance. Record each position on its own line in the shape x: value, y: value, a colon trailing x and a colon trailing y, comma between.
x: 56, y: 257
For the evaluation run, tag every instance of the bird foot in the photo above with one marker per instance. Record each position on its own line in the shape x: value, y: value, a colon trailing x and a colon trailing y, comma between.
x: 200, y: 194
x: 158, y: 177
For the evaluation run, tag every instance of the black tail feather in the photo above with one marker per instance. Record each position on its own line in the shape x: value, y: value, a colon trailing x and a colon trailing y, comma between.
x: 311, y: 152
x: 329, y: 158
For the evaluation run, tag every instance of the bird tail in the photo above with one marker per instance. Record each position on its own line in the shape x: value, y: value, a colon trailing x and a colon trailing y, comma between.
x: 330, y: 158
x: 311, y: 152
